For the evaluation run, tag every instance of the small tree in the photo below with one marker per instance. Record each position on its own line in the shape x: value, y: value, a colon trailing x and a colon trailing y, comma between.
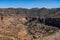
x: 1, y: 16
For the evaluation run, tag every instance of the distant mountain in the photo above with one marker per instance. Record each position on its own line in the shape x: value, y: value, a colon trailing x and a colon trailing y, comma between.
x: 34, y: 12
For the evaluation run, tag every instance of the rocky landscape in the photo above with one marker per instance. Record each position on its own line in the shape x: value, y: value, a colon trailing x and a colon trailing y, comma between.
x: 29, y: 24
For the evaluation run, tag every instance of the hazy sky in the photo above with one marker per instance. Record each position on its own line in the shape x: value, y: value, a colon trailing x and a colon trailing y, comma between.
x: 29, y: 3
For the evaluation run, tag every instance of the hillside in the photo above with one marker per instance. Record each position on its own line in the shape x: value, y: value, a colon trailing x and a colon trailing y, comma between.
x: 29, y: 24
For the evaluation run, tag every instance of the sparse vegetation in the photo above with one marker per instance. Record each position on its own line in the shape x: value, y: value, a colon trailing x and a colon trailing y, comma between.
x: 26, y: 24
